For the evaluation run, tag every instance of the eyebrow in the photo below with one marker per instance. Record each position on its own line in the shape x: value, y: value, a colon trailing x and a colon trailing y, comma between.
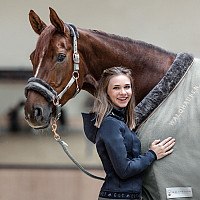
x: 119, y: 84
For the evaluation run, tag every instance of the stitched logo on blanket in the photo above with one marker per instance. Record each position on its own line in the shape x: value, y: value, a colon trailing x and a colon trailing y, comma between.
x: 185, y: 105
x: 178, y: 117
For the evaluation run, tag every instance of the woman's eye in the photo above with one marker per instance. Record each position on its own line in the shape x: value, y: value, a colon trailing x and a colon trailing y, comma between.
x: 60, y: 57
x: 127, y: 87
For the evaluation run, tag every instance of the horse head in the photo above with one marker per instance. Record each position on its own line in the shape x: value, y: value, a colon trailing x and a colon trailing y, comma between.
x: 55, y: 70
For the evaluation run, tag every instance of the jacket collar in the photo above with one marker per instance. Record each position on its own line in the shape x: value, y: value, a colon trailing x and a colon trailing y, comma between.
x: 119, y: 114
x: 90, y: 118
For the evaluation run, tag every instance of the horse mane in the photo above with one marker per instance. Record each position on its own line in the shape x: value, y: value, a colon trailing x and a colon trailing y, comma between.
x: 135, y: 42
x: 50, y: 30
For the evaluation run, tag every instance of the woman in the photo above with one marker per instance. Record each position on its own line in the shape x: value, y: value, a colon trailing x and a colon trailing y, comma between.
x: 110, y: 127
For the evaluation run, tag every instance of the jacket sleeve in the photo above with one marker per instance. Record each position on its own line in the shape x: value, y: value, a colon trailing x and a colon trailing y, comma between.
x: 111, y: 134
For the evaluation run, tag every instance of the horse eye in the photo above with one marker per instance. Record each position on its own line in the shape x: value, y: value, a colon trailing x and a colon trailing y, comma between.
x: 60, y: 57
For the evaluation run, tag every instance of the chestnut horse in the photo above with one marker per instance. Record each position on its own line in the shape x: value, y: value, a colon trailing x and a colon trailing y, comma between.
x: 68, y: 59
x: 52, y: 62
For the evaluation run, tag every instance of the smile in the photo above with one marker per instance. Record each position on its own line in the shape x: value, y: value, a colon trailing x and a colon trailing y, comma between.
x: 123, y: 99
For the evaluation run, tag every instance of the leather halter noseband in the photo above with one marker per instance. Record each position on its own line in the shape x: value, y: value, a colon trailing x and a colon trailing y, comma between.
x: 46, y: 90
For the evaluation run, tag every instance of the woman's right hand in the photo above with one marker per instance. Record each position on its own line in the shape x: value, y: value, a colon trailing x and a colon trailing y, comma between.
x: 163, y: 148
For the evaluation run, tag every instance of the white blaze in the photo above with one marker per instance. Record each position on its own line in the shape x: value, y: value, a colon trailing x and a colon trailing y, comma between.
x: 38, y: 67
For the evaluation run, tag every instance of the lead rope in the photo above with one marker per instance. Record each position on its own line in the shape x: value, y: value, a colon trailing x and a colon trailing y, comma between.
x: 65, y: 145
x: 75, y: 77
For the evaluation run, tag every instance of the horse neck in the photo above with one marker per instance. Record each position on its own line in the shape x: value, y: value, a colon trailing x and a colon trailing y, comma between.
x: 100, y: 51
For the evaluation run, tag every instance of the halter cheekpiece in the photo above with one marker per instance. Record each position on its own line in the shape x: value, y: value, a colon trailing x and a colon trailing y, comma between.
x: 46, y: 90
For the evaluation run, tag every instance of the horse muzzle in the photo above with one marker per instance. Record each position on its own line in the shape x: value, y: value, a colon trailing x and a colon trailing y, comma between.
x: 38, y: 112
x: 39, y: 103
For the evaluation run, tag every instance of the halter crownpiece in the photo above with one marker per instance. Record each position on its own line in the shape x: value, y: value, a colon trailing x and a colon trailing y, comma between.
x: 46, y: 90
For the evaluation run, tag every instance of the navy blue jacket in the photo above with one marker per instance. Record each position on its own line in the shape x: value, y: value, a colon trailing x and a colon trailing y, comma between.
x: 119, y: 151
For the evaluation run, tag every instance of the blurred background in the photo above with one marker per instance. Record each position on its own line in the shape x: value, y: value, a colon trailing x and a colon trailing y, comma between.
x: 32, y: 164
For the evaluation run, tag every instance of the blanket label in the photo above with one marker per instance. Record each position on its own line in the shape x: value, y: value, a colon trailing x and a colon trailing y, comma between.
x: 178, y: 192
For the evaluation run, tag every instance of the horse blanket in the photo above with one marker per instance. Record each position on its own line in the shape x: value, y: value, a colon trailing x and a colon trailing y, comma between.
x: 172, y: 108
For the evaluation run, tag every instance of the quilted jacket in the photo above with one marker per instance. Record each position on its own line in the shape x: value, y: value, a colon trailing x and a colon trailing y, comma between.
x: 119, y: 150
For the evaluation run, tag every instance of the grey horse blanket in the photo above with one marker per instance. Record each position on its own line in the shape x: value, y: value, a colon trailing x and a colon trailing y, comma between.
x: 172, y: 108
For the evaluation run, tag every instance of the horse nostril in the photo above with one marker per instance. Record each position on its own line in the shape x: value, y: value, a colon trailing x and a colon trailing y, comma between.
x: 38, y: 113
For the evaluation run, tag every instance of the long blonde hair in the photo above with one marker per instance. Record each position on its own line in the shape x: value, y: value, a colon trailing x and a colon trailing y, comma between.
x: 102, y: 103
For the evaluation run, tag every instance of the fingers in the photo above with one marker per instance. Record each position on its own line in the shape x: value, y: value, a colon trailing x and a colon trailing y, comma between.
x: 169, y: 152
x: 166, y: 153
x: 166, y: 140
x: 156, y: 142
x: 163, y: 148
x: 169, y: 145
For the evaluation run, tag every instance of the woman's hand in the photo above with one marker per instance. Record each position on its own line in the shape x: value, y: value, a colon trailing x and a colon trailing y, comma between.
x: 163, y: 148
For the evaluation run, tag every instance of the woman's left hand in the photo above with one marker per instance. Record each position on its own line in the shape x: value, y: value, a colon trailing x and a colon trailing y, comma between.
x: 163, y: 148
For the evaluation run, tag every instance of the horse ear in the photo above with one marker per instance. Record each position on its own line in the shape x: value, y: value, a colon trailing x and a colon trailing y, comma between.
x: 56, y: 21
x: 37, y: 24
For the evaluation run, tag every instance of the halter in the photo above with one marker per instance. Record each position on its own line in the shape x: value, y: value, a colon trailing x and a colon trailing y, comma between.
x: 51, y: 95
x: 46, y: 90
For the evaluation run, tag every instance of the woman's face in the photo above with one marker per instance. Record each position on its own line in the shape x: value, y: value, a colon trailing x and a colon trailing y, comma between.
x: 119, y: 90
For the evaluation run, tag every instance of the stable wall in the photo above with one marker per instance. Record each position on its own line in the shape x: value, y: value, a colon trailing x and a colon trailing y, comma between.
x: 172, y: 25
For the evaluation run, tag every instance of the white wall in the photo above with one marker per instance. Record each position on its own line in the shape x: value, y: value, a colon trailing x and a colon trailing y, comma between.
x: 173, y: 25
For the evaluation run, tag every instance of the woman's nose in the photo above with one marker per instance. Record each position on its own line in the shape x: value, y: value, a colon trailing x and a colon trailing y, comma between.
x: 122, y: 91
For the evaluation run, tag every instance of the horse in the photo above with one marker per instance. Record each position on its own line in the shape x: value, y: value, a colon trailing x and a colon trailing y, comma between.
x: 68, y: 59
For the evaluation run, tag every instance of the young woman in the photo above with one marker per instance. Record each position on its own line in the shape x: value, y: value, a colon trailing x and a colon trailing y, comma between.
x: 110, y: 127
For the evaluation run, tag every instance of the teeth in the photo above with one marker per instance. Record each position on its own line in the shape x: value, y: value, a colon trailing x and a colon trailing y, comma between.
x: 123, y: 99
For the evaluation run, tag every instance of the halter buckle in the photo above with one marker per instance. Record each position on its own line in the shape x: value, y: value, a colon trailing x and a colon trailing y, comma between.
x: 76, y: 58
